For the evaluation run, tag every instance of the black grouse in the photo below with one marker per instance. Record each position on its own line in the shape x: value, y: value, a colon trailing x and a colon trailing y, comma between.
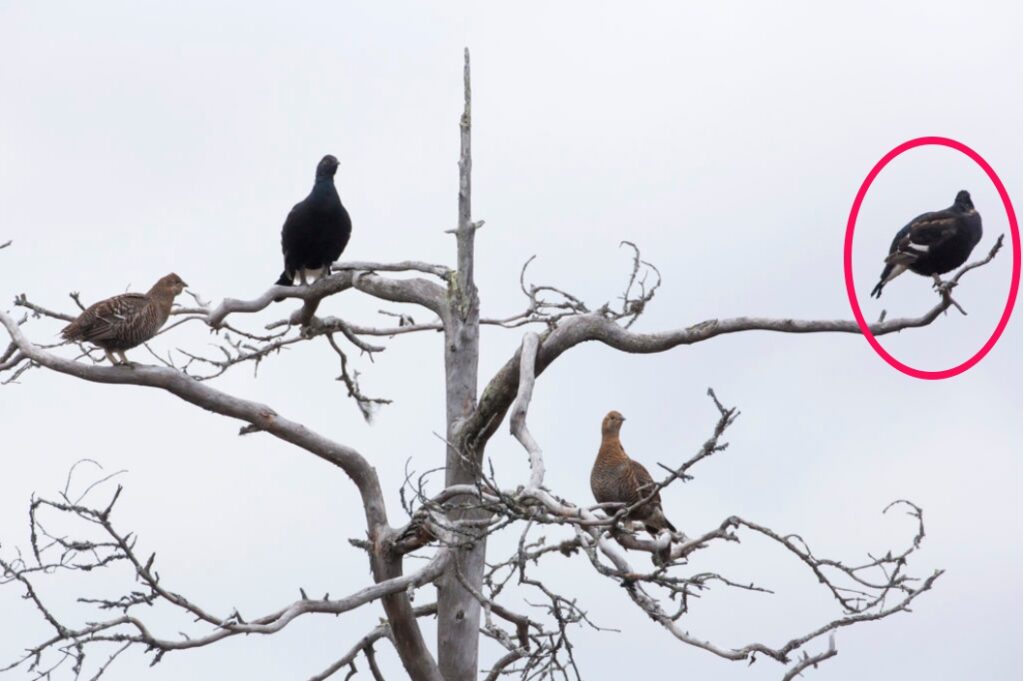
x: 933, y: 243
x: 317, y: 229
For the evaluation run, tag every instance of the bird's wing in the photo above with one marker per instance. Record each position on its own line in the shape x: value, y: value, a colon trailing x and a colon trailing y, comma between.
x: 924, y: 233
x: 108, y: 317
x: 642, y: 483
x: 291, y: 224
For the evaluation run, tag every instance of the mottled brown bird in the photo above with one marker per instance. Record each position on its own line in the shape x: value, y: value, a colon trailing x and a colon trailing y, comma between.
x: 122, y: 322
x: 617, y: 478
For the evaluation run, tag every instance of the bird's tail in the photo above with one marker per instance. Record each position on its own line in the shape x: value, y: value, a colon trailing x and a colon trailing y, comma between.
x: 286, y: 279
x: 70, y: 332
x: 657, y: 521
x: 893, y: 268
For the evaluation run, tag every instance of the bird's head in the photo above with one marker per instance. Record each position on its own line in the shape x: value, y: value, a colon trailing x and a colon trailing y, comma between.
x: 963, y: 200
x: 327, y: 167
x: 612, y: 423
x: 171, y: 283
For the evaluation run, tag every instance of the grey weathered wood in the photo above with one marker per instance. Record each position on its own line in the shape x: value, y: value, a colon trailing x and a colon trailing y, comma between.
x: 470, y: 422
x: 458, y: 611
x: 391, y: 587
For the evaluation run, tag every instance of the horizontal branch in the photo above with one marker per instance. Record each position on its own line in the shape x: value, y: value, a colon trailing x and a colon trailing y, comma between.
x: 415, y: 291
x: 232, y: 626
x: 572, y: 330
x: 439, y: 271
x: 259, y: 416
x: 365, y: 644
x: 22, y: 301
x: 81, y: 552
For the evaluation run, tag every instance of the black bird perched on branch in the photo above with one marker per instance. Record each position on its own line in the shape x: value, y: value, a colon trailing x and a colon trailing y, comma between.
x: 317, y: 229
x: 933, y: 243
x: 122, y: 322
x: 617, y: 478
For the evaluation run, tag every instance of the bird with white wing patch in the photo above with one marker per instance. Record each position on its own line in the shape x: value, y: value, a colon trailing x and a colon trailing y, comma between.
x: 933, y: 243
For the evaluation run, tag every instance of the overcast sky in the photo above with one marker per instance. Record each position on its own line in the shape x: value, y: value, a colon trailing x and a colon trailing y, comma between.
x: 727, y: 140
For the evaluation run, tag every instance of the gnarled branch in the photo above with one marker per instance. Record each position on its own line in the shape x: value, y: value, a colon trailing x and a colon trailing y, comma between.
x: 862, y: 593
x: 600, y: 326
x: 412, y: 649
x: 54, y: 554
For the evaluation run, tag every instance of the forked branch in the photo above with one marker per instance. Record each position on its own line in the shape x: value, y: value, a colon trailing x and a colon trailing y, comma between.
x: 569, y: 330
x: 873, y: 590
x: 83, y: 551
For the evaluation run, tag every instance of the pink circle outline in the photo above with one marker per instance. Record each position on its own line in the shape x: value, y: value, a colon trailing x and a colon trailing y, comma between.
x: 848, y: 258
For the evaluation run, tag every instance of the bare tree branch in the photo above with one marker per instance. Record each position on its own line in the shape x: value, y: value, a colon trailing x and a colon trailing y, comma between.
x: 415, y: 291
x: 81, y: 554
x: 527, y: 362
x: 411, y: 646
x: 571, y: 330
x: 863, y: 601
x: 569, y: 323
x: 260, y: 416
x: 365, y: 644
x: 812, y: 660
x: 458, y: 519
x: 39, y: 311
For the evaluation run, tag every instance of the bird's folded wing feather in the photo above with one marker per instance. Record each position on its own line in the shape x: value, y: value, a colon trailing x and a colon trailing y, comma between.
x: 112, y: 315
x: 926, y: 232
x: 296, y: 227
x: 642, y: 483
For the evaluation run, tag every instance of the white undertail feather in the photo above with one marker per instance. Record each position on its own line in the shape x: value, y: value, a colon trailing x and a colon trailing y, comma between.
x: 897, y: 270
x: 664, y: 539
x: 310, y: 275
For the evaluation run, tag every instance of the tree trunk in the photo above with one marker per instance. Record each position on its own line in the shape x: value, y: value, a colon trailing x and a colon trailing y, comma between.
x: 458, y: 611
x: 409, y: 643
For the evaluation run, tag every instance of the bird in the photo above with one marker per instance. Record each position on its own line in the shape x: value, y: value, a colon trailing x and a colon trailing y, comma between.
x: 933, y: 243
x: 617, y: 478
x: 317, y: 228
x: 125, y: 321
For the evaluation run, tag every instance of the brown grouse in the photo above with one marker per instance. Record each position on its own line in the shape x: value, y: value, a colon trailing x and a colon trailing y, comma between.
x: 122, y: 322
x: 617, y: 478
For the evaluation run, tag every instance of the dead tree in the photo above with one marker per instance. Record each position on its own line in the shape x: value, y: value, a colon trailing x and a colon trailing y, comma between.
x: 449, y: 520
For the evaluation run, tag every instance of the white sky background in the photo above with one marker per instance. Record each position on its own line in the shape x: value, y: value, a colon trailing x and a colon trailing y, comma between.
x: 727, y: 141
